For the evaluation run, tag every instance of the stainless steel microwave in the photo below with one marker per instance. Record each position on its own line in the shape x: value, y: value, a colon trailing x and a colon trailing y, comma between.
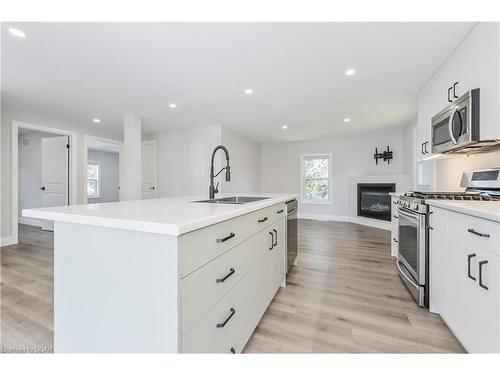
x: 457, y: 125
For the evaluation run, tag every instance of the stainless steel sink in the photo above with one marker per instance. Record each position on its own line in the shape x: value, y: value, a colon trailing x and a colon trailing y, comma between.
x: 233, y: 200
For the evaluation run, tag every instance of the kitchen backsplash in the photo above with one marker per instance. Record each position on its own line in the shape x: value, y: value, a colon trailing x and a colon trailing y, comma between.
x: 449, y: 170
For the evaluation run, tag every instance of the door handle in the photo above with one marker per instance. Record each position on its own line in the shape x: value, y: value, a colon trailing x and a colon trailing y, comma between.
x: 276, y: 239
x: 449, y: 100
x: 422, y: 148
x: 395, y: 217
x: 454, y: 88
x: 272, y: 240
x: 469, y: 257
x: 232, y: 350
x: 222, y: 325
x: 395, y: 240
x: 42, y: 188
x: 231, y: 272
x: 220, y: 240
x: 425, y: 147
x: 263, y: 219
x: 481, y: 264
x: 152, y: 188
x: 280, y: 211
x: 471, y: 230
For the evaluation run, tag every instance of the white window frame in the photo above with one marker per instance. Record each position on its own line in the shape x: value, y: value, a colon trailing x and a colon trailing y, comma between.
x: 98, y: 180
x: 303, y: 199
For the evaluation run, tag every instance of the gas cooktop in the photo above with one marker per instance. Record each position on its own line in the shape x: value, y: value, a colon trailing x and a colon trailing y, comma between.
x: 457, y: 196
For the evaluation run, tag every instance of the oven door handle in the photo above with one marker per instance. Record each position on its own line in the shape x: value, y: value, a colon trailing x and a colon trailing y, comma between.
x: 401, y: 272
x: 407, y: 213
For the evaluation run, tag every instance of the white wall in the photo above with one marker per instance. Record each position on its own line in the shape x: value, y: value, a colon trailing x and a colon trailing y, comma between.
x: 244, y: 161
x: 108, y: 174
x: 13, y: 114
x: 183, y: 166
x: 30, y: 171
x: 352, y: 162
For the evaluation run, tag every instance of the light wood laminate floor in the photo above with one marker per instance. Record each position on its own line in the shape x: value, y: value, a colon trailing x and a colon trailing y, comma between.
x: 344, y: 296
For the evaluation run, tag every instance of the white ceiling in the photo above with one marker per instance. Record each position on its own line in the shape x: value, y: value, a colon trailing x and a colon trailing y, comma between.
x: 84, y: 70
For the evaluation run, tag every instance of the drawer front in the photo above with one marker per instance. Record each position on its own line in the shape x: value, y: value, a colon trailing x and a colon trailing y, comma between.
x: 477, y: 232
x: 201, y: 246
x: 204, y: 288
x: 207, y: 337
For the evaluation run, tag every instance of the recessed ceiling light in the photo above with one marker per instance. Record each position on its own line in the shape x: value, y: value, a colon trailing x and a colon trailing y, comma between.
x: 284, y: 127
x: 347, y: 119
x: 96, y: 120
x: 17, y: 33
x: 248, y: 91
x: 350, y: 72
x: 172, y: 105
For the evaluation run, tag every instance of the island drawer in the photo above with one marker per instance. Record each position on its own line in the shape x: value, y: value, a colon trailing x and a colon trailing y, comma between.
x: 199, y: 247
x: 202, y: 289
x: 478, y: 232
x: 226, y: 327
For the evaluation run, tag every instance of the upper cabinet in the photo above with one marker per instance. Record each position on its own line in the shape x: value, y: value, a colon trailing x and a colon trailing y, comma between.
x: 475, y: 63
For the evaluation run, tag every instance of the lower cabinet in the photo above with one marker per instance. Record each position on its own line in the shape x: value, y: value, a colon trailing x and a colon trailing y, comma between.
x: 238, y: 302
x: 464, y: 281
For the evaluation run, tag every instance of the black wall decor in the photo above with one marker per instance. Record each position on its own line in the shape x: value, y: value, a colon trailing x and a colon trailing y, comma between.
x: 385, y: 155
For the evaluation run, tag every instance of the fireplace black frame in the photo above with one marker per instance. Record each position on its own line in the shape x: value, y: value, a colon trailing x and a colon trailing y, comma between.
x: 391, y: 187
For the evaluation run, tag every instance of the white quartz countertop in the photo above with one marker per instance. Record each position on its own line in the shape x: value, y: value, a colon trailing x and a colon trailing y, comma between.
x: 171, y: 216
x: 484, y: 209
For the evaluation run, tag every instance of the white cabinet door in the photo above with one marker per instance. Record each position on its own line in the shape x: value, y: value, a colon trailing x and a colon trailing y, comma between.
x: 278, y: 257
x: 148, y: 170
x: 489, y: 301
x: 394, y: 227
x: 260, y: 273
x: 438, y: 257
x: 461, y: 310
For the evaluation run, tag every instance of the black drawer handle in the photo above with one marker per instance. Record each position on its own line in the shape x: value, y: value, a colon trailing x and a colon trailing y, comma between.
x: 231, y: 235
x: 276, y: 239
x: 454, y: 90
x: 231, y: 272
x: 481, y: 264
x: 395, y: 240
x: 232, y: 350
x: 471, y: 230
x: 263, y: 219
x: 449, y: 89
x: 279, y: 212
x: 469, y: 257
x: 221, y: 325
x: 395, y: 217
x: 272, y: 240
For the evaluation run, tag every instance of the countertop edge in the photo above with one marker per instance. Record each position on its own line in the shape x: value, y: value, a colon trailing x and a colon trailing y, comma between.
x: 482, y: 214
x: 152, y: 226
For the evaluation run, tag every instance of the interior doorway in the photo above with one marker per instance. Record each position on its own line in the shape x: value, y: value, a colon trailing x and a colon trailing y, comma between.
x: 43, y: 171
x: 103, y: 165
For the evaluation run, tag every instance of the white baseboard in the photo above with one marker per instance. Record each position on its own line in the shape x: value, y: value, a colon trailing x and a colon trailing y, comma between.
x: 30, y: 221
x: 356, y: 220
x: 7, y: 241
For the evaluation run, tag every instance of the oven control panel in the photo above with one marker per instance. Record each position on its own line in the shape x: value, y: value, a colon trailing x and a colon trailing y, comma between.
x: 412, y: 204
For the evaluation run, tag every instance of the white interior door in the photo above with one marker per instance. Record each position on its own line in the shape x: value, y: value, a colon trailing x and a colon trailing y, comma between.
x: 54, y: 185
x: 148, y: 168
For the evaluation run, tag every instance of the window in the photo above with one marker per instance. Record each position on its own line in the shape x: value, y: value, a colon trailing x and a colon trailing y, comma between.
x: 93, y: 179
x: 316, y: 178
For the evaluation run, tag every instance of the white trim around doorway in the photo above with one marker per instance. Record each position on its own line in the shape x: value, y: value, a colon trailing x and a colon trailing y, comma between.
x: 16, y: 125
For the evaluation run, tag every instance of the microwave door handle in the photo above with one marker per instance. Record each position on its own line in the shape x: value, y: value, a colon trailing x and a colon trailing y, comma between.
x: 450, y: 126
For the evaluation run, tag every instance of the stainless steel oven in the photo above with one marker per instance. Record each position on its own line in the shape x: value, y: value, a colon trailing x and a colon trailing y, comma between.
x: 457, y: 125
x: 413, y: 252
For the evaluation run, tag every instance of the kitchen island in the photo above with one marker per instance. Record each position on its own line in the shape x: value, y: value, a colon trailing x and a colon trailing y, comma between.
x: 165, y: 275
